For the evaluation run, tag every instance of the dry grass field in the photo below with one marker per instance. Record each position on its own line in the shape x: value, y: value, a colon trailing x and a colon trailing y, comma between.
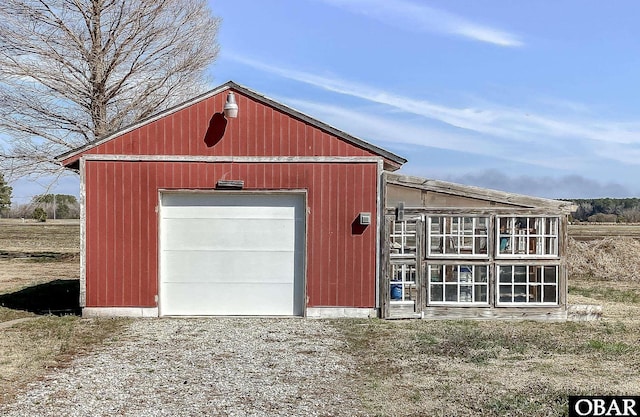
x: 512, y: 368
x: 37, y: 262
x: 592, y: 231
x: 405, y: 368
x: 33, y: 253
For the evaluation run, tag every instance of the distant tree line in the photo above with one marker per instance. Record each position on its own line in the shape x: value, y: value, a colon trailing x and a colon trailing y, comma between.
x: 48, y: 206
x: 609, y: 210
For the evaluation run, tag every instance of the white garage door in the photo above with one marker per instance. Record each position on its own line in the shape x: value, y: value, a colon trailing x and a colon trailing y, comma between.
x: 231, y: 254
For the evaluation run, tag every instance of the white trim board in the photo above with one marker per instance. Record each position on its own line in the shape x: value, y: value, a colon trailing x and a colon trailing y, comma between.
x: 233, y: 159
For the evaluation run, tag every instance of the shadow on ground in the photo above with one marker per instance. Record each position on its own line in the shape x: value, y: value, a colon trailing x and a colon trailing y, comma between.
x: 59, y: 297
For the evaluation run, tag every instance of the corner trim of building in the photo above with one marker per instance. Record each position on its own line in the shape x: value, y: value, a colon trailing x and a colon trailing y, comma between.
x: 341, y: 312
x: 89, y: 312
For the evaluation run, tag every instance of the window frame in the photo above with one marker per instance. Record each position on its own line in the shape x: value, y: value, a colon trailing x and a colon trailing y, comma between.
x: 513, y: 236
x: 405, y: 285
x: 475, y: 237
x: 528, y: 283
x: 473, y: 283
x: 398, y: 239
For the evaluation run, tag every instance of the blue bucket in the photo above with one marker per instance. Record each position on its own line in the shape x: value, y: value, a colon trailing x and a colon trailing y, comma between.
x: 396, y: 291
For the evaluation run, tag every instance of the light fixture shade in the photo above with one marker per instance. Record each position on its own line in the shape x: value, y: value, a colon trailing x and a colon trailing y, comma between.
x: 230, y: 107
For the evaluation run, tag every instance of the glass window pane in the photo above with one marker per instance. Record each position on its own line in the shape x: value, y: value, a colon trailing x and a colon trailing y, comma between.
x: 505, y: 245
x: 505, y: 274
x: 451, y: 273
x: 396, y: 292
x: 465, y: 293
x: 408, y: 292
x: 551, y: 246
x: 410, y: 244
x: 455, y: 283
x: 550, y: 294
x: 535, y: 274
x: 435, y: 293
x: 551, y: 274
x: 410, y: 273
x: 520, y: 273
x: 436, y: 245
x: 481, y: 293
x: 451, y: 292
x: 505, y: 293
x: 533, y: 246
x: 436, y: 273
x: 397, y: 272
x: 466, y: 273
x: 467, y: 225
x: 481, y: 273
x: 535, y: 294
x: 481, y: 245
x: 519, y: 293
x: 450, y: 245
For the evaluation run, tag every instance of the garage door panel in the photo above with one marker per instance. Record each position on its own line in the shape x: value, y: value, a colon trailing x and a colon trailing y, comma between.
x: 229, y: 212
x: 228, y: 266
x: 181, y: 199
x: 214, y: 234
x: 229, y: 299
x: 228, y: 254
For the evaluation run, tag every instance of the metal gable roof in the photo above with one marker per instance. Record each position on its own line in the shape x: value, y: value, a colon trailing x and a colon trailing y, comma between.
x: 230, y: 85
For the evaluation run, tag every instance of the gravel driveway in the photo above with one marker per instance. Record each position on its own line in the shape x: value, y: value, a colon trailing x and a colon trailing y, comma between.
x: 203, y: 367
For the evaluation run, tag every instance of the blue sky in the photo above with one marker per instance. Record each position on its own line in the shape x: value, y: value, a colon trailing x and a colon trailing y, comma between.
x: 535, y: 97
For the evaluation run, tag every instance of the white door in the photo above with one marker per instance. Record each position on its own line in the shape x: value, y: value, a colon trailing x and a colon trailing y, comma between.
x: 231, y: 254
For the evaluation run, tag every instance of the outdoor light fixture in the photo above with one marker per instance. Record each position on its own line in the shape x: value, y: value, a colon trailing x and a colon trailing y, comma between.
x: 230, y: 107
x: 230, y: 184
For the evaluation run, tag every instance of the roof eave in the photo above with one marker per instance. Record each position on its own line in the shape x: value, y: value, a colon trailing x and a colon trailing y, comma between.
x: 479, y: 193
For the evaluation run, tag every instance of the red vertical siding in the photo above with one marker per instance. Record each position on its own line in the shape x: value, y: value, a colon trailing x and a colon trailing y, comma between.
x: 259, y: 130
x: 122, y: 225
x: 122, y: 199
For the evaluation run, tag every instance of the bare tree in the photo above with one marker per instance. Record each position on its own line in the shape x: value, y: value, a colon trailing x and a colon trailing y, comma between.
x: 72, y: 71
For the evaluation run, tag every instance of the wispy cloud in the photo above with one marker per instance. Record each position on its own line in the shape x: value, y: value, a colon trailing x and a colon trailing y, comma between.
x: 383, y: 128
x: 419, y: 17
x: 374, y: 125
x: 568, y: 186
x: 508, y: 123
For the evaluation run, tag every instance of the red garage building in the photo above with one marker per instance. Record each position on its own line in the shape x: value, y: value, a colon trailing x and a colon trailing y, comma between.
x: 272, y: 212
x: 192, y: 213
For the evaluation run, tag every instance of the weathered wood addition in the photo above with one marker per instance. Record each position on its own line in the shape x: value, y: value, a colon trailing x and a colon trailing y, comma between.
x: 454, y: 251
